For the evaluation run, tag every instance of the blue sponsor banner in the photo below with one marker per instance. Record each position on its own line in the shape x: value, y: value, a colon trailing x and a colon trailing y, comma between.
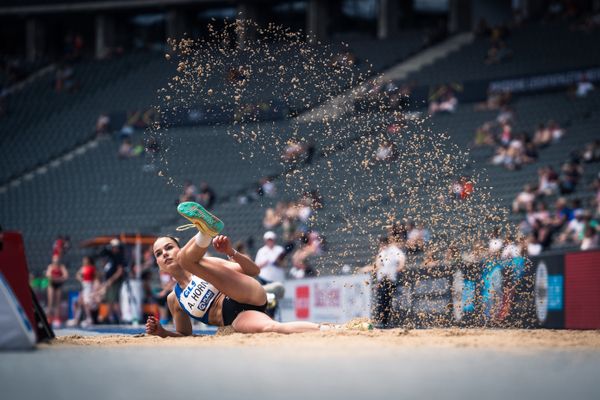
x: 468, y: 296
x: 555, y: 292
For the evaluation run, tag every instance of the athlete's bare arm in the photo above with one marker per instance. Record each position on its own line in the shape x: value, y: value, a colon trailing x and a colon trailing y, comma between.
x: 239, y: 262
x: 183, y: 324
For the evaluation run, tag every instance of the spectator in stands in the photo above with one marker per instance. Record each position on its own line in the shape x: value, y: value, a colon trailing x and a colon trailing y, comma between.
x: 584, y: 87
x: 152, y: 145
x: 591, y: 152
x: 596, y: 187
x: 190, y: 192
x: 547, y: 181
x: 267, y: 188
x: 556, y: 132
x: 417, y: 237
x: 542, y: 136
x: 506, y: 115
x: 505, y: 134
x: 272, y: 218
x: 389, y: 262
x: 571, y: 172
x: 267, y: 259
x: 311, y: 246
x: 484, y: 135
x: 590, y: 238
x: 495, y: 243
x: 114, y: 274
x: 125, y: 149
x: 293, y: 151
x: 534, y: 248
x: 206, y: 197
x: 574, y: 229
x: 103, y: 125
x: 524, y: 200
x: 57, y: 274
x: 443, y: 101
x: 430, y: 259
x: 385, y: 151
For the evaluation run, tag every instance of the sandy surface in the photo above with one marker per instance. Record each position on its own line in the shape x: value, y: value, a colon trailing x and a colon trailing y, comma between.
x: 394, y: 338
x: 395, y: 364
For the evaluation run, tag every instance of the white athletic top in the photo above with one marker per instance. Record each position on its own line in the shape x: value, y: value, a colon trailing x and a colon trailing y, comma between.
x: 196, y: 298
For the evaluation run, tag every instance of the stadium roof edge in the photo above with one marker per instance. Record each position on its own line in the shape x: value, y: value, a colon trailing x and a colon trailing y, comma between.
x: 96, y: 5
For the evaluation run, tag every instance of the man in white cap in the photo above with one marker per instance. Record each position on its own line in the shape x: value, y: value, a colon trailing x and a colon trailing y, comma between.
x: 267, y: 259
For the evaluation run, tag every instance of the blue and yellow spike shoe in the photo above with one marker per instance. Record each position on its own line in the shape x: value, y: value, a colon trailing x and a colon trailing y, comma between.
x: 204, y: 221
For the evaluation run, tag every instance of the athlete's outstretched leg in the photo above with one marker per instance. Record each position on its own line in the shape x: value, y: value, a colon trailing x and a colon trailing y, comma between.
x: 258, y: 322
x: 236, y: 285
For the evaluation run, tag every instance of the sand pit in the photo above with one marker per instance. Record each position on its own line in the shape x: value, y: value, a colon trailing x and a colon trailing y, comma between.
x: 415, y: 364
x: 377, y: 339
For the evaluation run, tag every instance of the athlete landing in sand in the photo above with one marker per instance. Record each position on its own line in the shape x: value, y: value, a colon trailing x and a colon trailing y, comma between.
x: 210, y: 289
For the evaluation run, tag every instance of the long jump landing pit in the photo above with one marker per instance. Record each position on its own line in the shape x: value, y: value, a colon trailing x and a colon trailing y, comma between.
x: 397, y: 363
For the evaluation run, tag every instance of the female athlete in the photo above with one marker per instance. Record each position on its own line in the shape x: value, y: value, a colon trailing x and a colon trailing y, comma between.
x: 210, y: 289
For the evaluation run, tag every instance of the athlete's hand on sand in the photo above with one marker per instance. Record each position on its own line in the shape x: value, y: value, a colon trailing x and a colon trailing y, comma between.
x: 222, y: 244
x: 153, y: 327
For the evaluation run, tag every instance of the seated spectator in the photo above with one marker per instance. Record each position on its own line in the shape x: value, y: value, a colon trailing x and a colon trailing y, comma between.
x: 385, y: 151
x: 506, y: 115
x: 590, y: 238
x: 531, y: 153
x: 311, y: 247
x: 417, y: 237
x: 271, y: 219
x: 446, y: 102
x: 584, y: 87
x: 534, y: 248
x: 539, y: 214
x: 152, y: 145
x: 591, y: 152
x: 293, y: 151
x: 547, y: 181
x: 596, y: 187
x: 542, y: 136
x: 125, y: 149
x: 484, y: 135
x: 495, y: 244
x: 574, y: 229
x: 505, y: 134
x: 562, y: 214
x: 102, y: 124
x: 556, y: 132
x: 524, y: 200
x: 571, y: 172
x: 267, y: 188
x: 430, y: 259
x: 510, y: 251
x: 126, y: 131
x: 190, y: 192
x: 206, y: 197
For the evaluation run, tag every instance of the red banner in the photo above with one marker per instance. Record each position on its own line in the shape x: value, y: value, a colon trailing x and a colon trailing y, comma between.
x: 13, y: 265
x: 582, y: 290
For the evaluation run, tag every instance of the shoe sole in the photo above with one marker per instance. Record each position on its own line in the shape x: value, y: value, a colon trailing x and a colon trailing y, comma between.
x: 202, y: 219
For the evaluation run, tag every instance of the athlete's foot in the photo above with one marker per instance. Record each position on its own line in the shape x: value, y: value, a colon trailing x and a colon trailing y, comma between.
x: 204, y: 221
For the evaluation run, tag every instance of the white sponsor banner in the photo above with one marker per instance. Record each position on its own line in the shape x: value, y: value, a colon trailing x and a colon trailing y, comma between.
x: 327, y: 299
